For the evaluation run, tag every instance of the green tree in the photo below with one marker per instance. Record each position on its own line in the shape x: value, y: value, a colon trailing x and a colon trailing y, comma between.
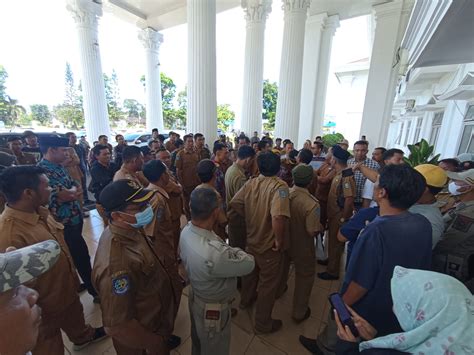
x: 40, y: 113
x: 135, y: 111
x: 168, y: 93
x: 112, y: 96
x: 70, y: 112
x: 333, y: 138
x: 13, y: 111
x: 225, y: 117
x: 270, y: 96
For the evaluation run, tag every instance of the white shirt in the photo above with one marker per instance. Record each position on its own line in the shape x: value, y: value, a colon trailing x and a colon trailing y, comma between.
x: 368, y: 192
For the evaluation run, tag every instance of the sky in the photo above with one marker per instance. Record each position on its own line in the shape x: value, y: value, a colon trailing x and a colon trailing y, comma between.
x: 39, y: 37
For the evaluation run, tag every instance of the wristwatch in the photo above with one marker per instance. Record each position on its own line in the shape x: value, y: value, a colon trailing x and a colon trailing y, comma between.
x: 342, y: 220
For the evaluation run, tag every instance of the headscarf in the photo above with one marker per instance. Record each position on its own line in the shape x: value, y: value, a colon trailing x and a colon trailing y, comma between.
x: 436, y: 312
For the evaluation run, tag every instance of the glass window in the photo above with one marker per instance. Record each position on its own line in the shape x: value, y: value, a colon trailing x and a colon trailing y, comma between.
x: 436, y: 127
x: 467, y: 139
x: 419, y: 123
x: 408, y: 132
x: 399, y: 138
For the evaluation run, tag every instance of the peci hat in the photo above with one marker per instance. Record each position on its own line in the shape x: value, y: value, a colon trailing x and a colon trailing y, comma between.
x: 340, y: 153
x: 302, y: 174
x: 25, y: 264
x: 433, y: 174
x: 122, y: 192
x: 466, y: 176
x: 53, y: 142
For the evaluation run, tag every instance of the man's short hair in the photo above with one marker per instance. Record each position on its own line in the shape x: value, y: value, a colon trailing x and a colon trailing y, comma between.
x: 131, y: 152
x: 154, y: 130
x: 451, y: 161
x: 305, y: 156
x: 186, y: 137
x: 178, y: 142
x: 117, y: 136
x: 102, y: 136
x: 13, y: 139
x: 403, y: 184
x: 286, y: 142
x: 391, y: 152
x: 278, y: 140
x: 218, y: 146
x: 14, y: 180
x: 268, y: 164
x: 247, y: 139
x: 319, y: 145
x: 198, y: 135
x: 206, y: 170
x: 361, y: 142
x: 98, y: 148
x: 69, y: 134
x: 152, y: 141
x: 202, y: 203
x: 382, y: 149
x: 262, y: 144
x: 245, y: 152
x: 153, y: 170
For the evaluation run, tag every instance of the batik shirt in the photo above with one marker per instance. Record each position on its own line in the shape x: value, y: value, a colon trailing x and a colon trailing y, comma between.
x: 68, y: 212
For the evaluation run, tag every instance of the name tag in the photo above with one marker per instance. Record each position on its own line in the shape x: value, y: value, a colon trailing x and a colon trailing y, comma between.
x: 213, y: 315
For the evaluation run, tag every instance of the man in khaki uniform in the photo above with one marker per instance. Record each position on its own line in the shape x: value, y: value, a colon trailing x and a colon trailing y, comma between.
x: 15, y: 144
x: 132, y: 164
x: 138, y: 300
x: 455, y: 250
x: 207, y: 174
x: 186, y: 170
x: 235, y: 178
x: 264, y: 203
x: 26, y: 222
x: 304, y: 226
x: 170, y: 144
x: 200, y: 147
x: 340, y: 208
x: 175, y: 201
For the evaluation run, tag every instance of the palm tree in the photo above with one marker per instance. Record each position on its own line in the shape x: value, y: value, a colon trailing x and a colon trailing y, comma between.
x: 14, y: 110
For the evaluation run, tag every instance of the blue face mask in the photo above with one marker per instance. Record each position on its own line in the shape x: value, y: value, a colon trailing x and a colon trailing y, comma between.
x: 143, y: 218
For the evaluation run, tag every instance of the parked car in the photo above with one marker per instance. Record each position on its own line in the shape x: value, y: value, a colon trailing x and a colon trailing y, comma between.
x: 5, y: 135
x: 139, y: 139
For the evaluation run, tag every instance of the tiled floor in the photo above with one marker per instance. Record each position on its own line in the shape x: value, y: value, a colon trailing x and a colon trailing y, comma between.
x: 244, y: 341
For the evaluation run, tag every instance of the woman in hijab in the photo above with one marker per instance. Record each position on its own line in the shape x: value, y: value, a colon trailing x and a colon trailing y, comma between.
x: 435, y: 311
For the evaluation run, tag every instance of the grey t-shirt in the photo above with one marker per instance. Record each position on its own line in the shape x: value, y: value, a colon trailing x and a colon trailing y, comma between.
x: 432, y: 214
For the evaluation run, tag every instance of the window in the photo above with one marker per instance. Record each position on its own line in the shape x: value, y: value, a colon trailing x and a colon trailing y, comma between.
x: 408, y: 133
x: 399, y: 138
x: 436, y: 127
x: 419, y: 122
x: 467, y: 138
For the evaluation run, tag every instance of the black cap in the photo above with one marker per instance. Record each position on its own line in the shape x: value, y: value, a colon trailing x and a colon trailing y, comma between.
x: 53, y: 142
x: 340, y: 153
x: 122, y: 192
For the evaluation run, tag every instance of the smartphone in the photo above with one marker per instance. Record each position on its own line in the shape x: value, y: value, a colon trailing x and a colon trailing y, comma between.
x: 344, y: 315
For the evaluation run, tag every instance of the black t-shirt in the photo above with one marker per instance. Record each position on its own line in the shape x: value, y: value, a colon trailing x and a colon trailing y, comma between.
x: 101, y: 177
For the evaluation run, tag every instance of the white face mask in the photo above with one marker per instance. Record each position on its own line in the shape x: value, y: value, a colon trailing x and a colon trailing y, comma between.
x: 453, y: 189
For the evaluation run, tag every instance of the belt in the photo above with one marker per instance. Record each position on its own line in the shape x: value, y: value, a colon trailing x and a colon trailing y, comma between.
x: 201, y: 303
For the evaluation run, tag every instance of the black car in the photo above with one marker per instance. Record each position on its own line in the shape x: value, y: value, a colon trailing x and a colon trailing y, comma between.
x: 5, y: 135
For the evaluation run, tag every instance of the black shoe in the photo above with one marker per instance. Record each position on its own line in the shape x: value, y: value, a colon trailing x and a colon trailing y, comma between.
x: 327, y: 276
x: 323, y: 262
x: 82, y: 288
x: 276, y: 326
x: 310, y: 345
x: 306, y: 316
x: 173, y: 342
x: 99, y: 335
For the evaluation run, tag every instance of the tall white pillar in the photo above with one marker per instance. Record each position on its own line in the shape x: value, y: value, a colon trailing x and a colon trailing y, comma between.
x: 391, y: 20
x: 86, y: 14
x: 152, y: 40
x: 202, y: 102
x: 256, y: 13
x: 289, y: 90
x: 320, y: 30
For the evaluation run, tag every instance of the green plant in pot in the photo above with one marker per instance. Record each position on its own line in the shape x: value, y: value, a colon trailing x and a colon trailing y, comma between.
x: 421, y: 154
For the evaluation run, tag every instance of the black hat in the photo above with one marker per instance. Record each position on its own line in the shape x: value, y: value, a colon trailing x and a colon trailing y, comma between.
x: 340, y: 153
x: 53, y: 142
x: 122, y: 192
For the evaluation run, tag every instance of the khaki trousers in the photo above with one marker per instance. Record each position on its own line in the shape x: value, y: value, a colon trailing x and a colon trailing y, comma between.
x: 305, y: 270
x: 237, y: 232
x: 176, y: 227
x: 266, y: 276
x: 336, y: 248
x: 71, y: 321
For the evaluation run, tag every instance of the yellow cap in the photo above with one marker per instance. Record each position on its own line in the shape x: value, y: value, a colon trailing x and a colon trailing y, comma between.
x: 434, y: 175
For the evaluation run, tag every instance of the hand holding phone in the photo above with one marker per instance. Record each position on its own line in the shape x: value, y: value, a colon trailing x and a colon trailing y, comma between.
x: 344, y: 315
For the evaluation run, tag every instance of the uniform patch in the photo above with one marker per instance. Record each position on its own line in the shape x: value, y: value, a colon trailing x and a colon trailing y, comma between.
x: 463, y: 223
x: 159, y: 213
x: 347, y: 186
x: 318, y: 212
x: 121, y: 285
x: 283, y: 193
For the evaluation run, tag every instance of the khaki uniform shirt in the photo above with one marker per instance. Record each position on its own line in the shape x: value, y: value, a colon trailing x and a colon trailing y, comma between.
x: 57, y: 288
x: 304, y: 221
x: 132, y: 282
x: 203, y: 153
x: 138, y: 177
x: 186, y: 168
x: 235, y: 178
x: 175, y: 201
x: 170, y: 146
x: 219, y: 226
x: 258, y: 201
x: 341, y: 187
x: 26, y: 159
x: 322, y: 190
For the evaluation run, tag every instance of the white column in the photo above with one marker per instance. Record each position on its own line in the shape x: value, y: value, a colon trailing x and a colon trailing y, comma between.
x: 320, y: 30
x: 391, y: 20
x: 289, y: 90
x: 256, y: 13
x: 202, y: 102
x: 152, y: 40
x: 86, y: 14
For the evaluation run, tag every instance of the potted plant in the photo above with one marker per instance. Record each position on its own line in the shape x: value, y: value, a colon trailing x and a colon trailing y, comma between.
x: 421, y: 153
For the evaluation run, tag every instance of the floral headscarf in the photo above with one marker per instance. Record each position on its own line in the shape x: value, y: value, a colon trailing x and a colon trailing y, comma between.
x: 435, y: 311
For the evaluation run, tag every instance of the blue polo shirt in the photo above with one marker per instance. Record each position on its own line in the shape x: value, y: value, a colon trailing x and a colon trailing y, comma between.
x: 387, y: 241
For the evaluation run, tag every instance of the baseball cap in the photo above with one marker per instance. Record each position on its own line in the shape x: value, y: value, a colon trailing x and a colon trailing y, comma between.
x: 466, y: 176
x: 302, y: 174
x: 25, y: 264
x: 433, y: 174
x: 122, y: 192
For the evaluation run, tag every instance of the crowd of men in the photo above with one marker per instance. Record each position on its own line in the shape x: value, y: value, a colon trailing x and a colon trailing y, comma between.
x: 253, y: 207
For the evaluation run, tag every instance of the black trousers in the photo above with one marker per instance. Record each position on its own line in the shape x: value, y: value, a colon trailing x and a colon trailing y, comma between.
x: 80, y: 254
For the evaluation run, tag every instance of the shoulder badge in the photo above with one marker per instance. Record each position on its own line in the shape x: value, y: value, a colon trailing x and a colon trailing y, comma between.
x: 283, y: 193
x: 120, y: 285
